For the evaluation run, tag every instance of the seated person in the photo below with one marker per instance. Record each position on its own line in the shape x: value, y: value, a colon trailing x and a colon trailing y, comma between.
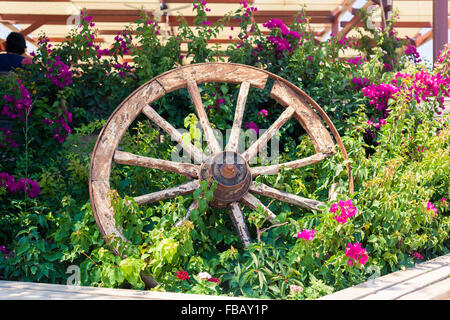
x: 15, y: 48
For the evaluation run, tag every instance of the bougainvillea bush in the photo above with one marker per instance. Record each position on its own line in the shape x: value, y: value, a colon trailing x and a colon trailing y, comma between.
x: 387, y: 105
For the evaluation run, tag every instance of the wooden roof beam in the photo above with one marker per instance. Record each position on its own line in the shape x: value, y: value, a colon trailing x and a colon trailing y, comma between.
x: 336, y: 14
x: 401, y: 24
x: 355, y: 20
x: 128, y: 18
x: 11, y: 27
x: 33, y: 27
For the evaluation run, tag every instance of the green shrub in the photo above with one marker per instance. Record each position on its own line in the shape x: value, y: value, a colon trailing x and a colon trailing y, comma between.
x: 400, y: 163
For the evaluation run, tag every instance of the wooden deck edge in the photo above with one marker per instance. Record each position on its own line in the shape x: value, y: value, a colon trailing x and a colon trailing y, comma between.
x: 368, y: 288
x: 408, y: 287
x: 436, y: 291
x: 45, y: 291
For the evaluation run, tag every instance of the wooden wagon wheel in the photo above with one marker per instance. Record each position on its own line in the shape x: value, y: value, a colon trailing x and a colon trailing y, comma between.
x: 229, y: 168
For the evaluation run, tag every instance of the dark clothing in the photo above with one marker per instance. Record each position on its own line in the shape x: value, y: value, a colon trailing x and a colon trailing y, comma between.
x: 10, y: 61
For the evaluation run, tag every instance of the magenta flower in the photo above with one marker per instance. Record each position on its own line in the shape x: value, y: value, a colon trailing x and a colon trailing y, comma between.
x: 356, y: 61
x: 356, y: 254
x: 430, y: 207
x: 30, y: 187
x: 263, y: 112
x: 360, y: 82
x: 288, y: 40
x: 18, y: 105
x: 412, y: 51
x: 306, y: 234
x: 417, y: 255
x: 58, y: 72
x: 251, y: 126
x: 346, y: 208
x: 334, y: 208
x: 6, y: 139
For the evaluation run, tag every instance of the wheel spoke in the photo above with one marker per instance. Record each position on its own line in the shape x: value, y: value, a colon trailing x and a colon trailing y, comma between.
x: 192, y: 150
x: 252, y: 151
x: 194, y: 93
x: 185, y: 169
x: 193, y: 206
x: 237, y: 217
x: 274, y: 169
x: 233, y: 141
x: 180, y: 190
x: 265, y: 190
x: 253, y: 203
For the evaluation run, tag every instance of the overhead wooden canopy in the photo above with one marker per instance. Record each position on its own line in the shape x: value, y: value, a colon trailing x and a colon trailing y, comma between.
x: 56, y: 17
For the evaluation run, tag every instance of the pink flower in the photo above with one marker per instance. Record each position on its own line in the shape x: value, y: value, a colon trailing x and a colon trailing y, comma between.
x: 251, y: 126
x: 263, y: 112
x: 334, y: 208
x: 306, y: 234
x: 430, y: 207
x: 412, y: 51
x: 356, y: 254
x: 417, y: 255
x: 347, y: 210
x: 295, y: 289
x: 30, y: 187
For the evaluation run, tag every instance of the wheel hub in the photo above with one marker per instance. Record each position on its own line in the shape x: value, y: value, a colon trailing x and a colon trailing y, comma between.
x: 232, y: 174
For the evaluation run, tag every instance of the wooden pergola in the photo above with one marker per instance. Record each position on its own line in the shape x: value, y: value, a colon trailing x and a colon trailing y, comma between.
x: 420, y: 20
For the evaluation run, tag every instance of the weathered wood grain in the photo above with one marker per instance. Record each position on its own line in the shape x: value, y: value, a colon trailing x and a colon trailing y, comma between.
x: 180, y: 190
x: 297, y: 104
x: 253, y: 203
x: 196, y: 99
x: 407, y: 287
x: 101, y: 207
x: 237, y: 217
x: 193, y: 206
x: 17, y: 290
x: 305, y: 115
x: 117, y: 125
x: 252, y: 151
x: 274, y: 169
x: 371, y: 287
x: 436, y: 291
x: 213, y: 72
x: 265, y: 190
x: 233, y: 142
x: 192, y: 150
x: 185, y: 169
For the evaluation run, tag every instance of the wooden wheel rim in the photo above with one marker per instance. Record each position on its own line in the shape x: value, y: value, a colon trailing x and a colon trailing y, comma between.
x: 297, y: 103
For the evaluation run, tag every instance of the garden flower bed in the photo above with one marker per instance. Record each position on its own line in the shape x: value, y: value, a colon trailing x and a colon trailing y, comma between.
x: 399, y: 155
